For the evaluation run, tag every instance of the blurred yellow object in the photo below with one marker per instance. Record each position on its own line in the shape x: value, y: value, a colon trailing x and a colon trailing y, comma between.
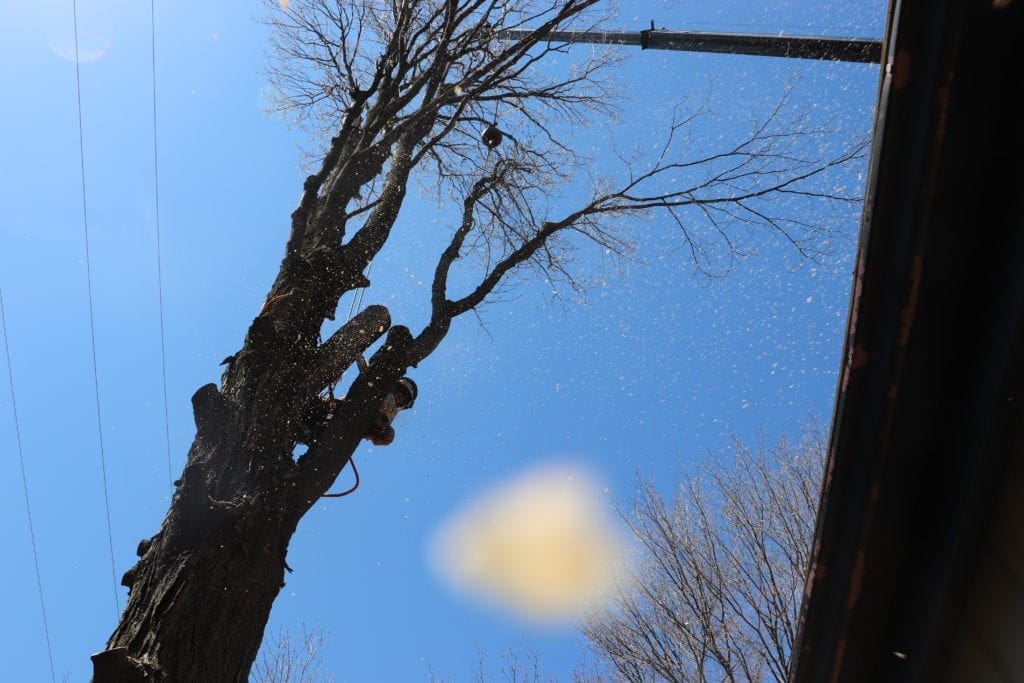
x: 284, y: 4
x: 542, y: 546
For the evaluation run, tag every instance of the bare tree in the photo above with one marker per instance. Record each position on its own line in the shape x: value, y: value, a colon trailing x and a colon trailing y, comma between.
x: 524, y: 666
x: 405, y: 86
x: 717, y: 595
x: 516, y: 667
x: 285, y: 659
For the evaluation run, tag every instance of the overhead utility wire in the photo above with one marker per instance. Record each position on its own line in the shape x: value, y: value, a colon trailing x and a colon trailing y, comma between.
x: 159, y: 258
x: 92, y: 319
x: 24, y: 483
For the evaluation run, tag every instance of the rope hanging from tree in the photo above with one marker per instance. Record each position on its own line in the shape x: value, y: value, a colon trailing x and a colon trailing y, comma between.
x: 352, y: 462
x: 355, y: 305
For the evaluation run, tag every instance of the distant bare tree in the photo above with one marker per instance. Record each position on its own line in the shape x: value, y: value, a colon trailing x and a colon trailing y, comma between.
x: 718, y: 590
x: 524, y: 666
x: 285, y: 659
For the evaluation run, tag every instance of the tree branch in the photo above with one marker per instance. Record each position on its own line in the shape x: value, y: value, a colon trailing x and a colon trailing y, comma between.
x: 343, y: 347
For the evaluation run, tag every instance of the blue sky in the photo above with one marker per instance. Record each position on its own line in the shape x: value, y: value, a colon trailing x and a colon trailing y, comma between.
x: 651, y: 370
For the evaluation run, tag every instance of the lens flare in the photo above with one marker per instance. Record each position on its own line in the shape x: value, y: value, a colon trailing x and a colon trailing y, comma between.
x: 542, y: 546
x: 95, y: 28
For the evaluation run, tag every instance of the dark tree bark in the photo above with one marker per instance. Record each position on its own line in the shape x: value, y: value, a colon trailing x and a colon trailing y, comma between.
x: 401, y: 85
x: 202, y: 591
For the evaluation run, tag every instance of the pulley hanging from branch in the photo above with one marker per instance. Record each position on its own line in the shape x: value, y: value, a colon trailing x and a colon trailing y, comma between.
x: 492, y: 136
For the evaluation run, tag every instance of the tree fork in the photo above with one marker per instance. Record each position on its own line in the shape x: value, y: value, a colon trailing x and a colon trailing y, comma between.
x: 320, y: 465
x: 199, y: 575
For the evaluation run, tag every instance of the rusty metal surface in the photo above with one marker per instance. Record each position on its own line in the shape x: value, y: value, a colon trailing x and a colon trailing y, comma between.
x: 926, y: 410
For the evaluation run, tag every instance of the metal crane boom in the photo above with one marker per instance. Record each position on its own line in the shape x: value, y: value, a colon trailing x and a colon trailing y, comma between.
x: 864, y: 50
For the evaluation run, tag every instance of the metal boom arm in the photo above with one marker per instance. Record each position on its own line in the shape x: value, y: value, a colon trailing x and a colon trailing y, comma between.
x: 863, y: 50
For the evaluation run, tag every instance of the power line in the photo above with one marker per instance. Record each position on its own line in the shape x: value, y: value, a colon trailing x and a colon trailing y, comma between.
x: 24, y: 482
x: 92, y: 320
x: 159, y: 258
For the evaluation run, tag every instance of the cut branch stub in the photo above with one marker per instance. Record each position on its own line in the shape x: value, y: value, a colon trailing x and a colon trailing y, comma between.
x: 115, y: 666
x: 393, y: 352
x: 344, y: 346
x: 210, y: 409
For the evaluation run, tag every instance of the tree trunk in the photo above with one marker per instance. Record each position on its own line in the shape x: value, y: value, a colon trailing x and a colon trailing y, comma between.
x: 199, y: 605
x: 201, y: 593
